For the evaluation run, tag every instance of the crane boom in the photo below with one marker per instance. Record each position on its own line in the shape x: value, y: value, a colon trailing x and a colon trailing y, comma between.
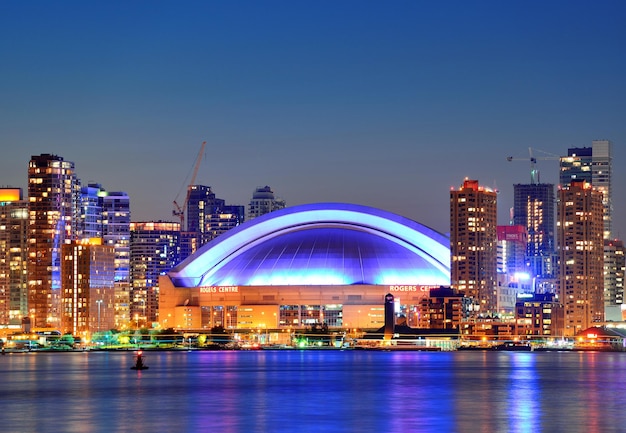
x: 534, y: 173
x: 179, y: 210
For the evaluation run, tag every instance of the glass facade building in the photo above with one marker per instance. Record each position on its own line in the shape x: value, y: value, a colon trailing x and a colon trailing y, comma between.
x: 53, y: 198
x: 154, y: 250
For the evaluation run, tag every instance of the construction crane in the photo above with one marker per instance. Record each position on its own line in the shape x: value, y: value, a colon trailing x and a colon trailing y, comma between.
x: 534, y: 173
x: 179, y: 210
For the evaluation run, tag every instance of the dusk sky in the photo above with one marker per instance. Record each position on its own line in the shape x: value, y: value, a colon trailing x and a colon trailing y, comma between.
x: 385, y: 104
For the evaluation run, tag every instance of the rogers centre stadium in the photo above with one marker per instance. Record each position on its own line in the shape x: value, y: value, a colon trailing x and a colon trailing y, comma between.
x: 323, y: 263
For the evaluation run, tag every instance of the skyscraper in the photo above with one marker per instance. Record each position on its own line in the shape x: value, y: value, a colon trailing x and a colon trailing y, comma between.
x: 473, y: 245
x: 116, y: 233
x: 534, y: 209
x: 593, y: 165
x: 580, y: 247
x: 613, y: 272
x: 154, y: 250
x: 201, y: 205
x: 207, y: 218
x: 13, y: 257
x: 90, y: 212
x: 263, y: 202
x: 53, y: 191
x: 88, y: 291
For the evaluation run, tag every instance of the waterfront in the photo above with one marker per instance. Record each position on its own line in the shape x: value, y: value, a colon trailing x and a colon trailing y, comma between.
x: 313, y: 390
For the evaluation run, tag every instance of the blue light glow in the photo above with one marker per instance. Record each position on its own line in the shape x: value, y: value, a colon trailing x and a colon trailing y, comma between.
x: 321, y: 244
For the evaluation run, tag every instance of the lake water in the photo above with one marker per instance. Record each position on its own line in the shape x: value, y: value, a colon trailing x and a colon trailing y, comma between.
x: 314, y: 391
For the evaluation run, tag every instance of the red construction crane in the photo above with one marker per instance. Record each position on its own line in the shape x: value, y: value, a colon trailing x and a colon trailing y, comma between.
x: 179, y: 210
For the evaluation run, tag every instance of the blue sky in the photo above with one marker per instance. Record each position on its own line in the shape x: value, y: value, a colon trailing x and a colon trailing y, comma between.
x: 386, y: 104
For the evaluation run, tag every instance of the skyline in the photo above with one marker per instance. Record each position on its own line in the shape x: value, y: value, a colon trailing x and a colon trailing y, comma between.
x: 339, y: 103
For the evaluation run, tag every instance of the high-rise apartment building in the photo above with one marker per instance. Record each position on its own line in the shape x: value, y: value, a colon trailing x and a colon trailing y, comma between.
x: 614, y: 267
x: 473, y: 245
x: 13, y: 257
x: 533, y: 209
x: 90, y: 226
x: 263, y: 202
x: 116, y: 233
x: 580, y: 247
x: 88, y: 290
x: 53, y: 192
x: 228, y: 217
x: 154, y: 250
x: 207, y: 218
x: 593, y: 165
x: 201, y: 205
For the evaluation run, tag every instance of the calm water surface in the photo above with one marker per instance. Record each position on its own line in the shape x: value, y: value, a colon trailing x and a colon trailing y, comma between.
x: 311, y: 391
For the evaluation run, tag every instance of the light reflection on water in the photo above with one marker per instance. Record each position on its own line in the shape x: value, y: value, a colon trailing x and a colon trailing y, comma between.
x: 307, y: 391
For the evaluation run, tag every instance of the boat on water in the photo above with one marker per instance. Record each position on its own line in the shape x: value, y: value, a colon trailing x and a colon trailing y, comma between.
x: 139, y: 364
x: 514, y: 346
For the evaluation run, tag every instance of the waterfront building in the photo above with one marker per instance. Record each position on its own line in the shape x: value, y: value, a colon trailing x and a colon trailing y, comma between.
x: 538, y: 314
x: 53, y: 192
x: 13, y: 257
x: 88, y: 287
x: 263, y: 202
x: 116, y: 233
x: 154, y: 250
x: 303, y: 266
x: 473, y: 245
x: 444, y: 308
x: 581, y: 251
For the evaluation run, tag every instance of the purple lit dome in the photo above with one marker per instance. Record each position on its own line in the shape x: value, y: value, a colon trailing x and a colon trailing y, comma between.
x: 321, y: 244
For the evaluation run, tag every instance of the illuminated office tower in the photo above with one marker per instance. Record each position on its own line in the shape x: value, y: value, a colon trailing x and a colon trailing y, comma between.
x: 116, y: 233
x: 473, y: 245
x: 13, y: 257
x: 53, y: 192
x: 533, y: 208
x: 613, y: 272
x: 580, y: 248
x: 593, y: 165
x: 263, y: 202
x: 88, y: 290
x: 154, y: 250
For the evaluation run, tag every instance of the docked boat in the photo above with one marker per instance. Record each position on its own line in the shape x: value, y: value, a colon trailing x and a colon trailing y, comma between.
x: 514, y: 346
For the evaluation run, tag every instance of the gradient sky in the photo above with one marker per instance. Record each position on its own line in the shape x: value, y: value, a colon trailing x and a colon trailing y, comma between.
x: 386, y: 104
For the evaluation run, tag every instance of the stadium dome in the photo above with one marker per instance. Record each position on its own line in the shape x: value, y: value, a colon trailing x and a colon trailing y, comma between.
x: 321, y: 244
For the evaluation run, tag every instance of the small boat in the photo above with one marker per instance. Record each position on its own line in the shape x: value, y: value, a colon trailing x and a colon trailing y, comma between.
x: 514, y: 347
x: 139, y: 365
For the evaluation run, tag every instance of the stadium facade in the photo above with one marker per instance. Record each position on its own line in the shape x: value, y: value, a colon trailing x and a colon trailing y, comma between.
x: 325, y: 263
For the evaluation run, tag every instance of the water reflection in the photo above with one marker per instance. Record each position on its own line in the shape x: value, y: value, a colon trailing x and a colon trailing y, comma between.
x: 311, y: 391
